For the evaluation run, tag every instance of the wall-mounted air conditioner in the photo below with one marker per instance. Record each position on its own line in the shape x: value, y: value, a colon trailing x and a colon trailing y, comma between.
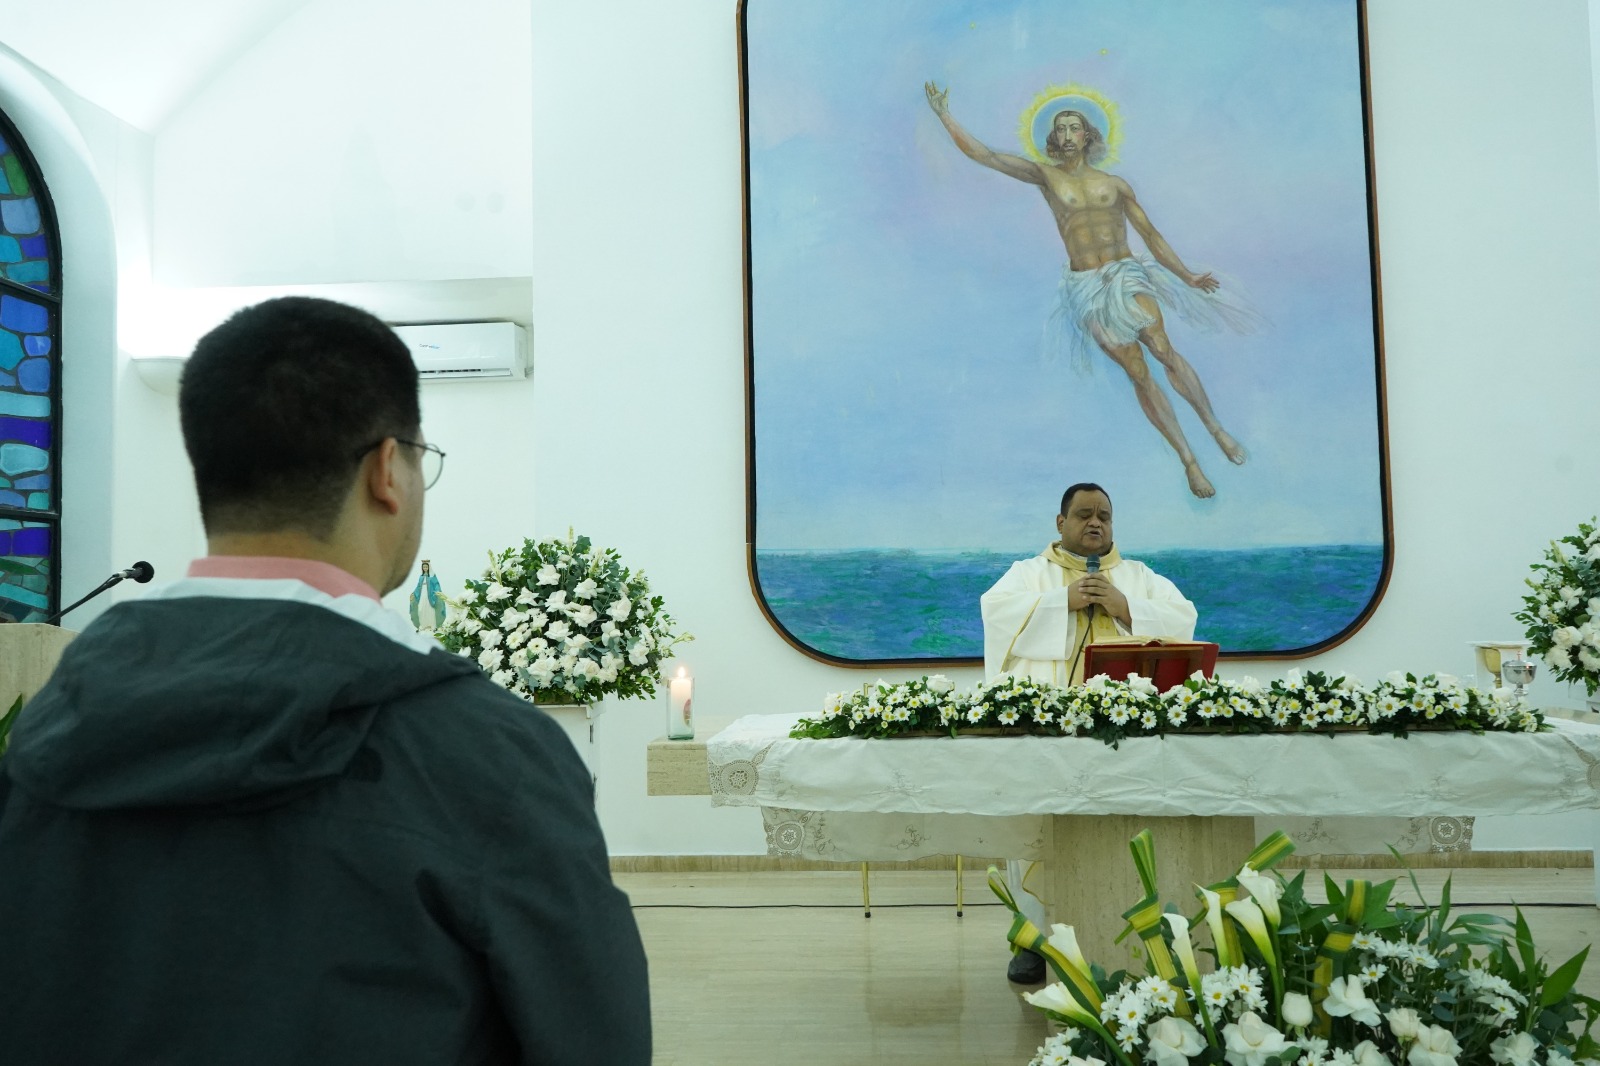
x: 468, y: 351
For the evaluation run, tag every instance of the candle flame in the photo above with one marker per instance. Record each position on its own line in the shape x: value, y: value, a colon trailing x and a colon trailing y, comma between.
x: 682, y: 672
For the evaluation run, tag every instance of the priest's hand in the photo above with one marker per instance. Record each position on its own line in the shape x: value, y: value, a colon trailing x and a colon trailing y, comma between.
x: 1097, y: 589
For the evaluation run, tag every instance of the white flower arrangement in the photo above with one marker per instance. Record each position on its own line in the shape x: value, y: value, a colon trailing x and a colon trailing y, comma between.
x: 562, y: 621
x: 1113, y: 711
x: 1357, y: 981
x: 1562, y: 612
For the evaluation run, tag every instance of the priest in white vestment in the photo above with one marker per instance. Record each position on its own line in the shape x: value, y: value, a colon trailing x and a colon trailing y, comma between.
x: 1038, y: 617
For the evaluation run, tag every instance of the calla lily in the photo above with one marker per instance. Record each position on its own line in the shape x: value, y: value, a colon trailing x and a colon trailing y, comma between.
x: 1219, y: 929
x: 1065, y: 940
x: 1248, y: 914
x: 1183, y: 947
x: 1265, y: 890
x: 1058, y: 999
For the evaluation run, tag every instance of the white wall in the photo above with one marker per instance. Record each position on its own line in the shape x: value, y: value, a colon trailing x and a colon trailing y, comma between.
x: 633, y: 428
x: 359, y: 140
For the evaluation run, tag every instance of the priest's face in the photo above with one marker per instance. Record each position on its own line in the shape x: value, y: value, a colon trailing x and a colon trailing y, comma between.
x: 1086, y: 527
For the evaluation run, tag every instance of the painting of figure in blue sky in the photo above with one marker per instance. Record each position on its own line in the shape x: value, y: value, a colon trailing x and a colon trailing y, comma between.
x: 997, y: 248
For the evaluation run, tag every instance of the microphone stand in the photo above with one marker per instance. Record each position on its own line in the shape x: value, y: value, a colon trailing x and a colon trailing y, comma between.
x: 140, y: 572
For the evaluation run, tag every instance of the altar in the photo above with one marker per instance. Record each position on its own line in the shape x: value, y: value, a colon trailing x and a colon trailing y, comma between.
x: 1076, y: 802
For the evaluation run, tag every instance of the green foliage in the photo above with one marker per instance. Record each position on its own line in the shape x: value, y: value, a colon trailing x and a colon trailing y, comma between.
x: 1560, y: 608
x: 7, y: 721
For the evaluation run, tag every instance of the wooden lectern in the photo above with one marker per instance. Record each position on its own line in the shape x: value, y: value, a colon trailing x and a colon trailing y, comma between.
x: 1164, y: 662
x: 28, y: 656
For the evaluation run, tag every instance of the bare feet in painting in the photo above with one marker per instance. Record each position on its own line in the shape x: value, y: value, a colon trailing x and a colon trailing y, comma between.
x: 1230, y: 447
x: 1197, y: 481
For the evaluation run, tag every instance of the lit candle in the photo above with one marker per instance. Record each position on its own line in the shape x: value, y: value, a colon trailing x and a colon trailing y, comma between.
x: 680, y: 706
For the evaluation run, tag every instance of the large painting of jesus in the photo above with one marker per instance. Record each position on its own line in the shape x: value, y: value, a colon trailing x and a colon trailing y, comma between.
x: 996, y: 248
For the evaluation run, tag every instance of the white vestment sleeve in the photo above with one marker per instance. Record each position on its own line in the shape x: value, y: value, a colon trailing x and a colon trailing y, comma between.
x: 1025, y: 617
x: 1156, y: 606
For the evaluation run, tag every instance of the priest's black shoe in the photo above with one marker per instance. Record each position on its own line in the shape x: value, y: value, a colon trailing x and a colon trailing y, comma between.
x: 1027, y: 968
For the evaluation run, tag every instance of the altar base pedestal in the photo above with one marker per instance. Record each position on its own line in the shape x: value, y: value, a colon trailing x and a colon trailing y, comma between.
x: 1089, y: 877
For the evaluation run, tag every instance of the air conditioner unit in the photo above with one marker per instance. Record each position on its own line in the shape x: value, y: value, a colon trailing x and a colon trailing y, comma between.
x: 468, y: 351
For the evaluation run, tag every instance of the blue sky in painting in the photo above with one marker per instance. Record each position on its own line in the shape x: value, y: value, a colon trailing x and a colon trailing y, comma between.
x: 902, y: 395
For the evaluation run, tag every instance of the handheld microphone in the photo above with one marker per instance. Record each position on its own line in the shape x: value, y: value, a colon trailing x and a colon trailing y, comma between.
x: 1092, y: 564
x: 140, y: 571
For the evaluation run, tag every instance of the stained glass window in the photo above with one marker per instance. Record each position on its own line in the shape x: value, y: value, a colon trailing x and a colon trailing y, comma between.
x: 30, y: 388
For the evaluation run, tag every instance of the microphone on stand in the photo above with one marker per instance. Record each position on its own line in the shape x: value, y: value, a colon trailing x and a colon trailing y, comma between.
x: 140, y: 571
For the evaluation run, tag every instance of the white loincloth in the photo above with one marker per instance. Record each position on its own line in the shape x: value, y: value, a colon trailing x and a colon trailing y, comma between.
x: 1099, y: 305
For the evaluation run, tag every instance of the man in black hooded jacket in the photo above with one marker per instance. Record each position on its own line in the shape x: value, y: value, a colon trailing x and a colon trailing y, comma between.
x: 255, y: 818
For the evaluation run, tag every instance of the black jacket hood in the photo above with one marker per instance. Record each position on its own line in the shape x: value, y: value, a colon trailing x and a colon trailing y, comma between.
x: 217, y: 702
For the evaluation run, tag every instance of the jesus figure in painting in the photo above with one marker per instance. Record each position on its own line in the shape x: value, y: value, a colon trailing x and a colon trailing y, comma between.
x: 1110, y: 295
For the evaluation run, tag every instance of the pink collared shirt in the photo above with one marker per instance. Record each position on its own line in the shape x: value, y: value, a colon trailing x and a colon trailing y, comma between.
x: 325, y: 577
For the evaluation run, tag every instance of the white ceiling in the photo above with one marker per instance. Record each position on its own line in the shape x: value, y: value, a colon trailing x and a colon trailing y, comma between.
x: 139, y: 61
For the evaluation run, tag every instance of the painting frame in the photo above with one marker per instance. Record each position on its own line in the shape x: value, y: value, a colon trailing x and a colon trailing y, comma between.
x: 754, y: 444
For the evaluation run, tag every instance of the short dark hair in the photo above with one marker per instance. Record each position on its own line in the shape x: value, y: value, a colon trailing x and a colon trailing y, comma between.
x: 1082, y: 486
x: 277, y: 403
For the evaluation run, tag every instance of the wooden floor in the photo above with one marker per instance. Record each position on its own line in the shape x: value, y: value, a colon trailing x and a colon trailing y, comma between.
x: 781, y: 969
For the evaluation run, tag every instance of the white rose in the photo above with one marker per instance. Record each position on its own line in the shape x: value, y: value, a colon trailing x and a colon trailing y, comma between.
x: 1517, y: 1050
x: 583, y: 615
x: 543, y: 670
x: 491, y: 658
x: 1589, y: 658
x: 491, y: 638
x: 1435, y: 1046
x: 1297, y: 1010
x: 940, y: 685
x: 558, y: 630
x: 585, y: 589
x: 526, y: 598
x: 470, y: 626
x: 611, y: 661
x: 558, y: 601
x: 1566, y: 636
x: 638, y: 655
x: 1404, y: 1023
x: 587, y: 668
x: 496, y: 592
x: 1348, y: 999
x: 518, y: 637
x: 621, y: 609
x: 568, y: 663
x: 1559, y: 658
x: 1173, y: 1041
x: 1594, y: 607
x: 609, y: 631
x: 575, y: 643
x: 1251, y: 1041
x: 503, y: 678
x: 548, y: 575
x: 1367, y: 1054
x: 607, y: 674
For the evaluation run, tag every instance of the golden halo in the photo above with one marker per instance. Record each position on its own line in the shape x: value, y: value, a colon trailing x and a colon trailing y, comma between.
x: 1037, y: 116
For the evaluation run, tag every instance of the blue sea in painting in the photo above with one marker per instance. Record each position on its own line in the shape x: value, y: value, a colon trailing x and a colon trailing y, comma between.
x: 924, y: 605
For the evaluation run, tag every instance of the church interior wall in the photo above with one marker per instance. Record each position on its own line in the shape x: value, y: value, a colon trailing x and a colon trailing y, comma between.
x: 626, y: 214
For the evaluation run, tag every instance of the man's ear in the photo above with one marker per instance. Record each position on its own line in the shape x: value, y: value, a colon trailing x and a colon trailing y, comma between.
x: 381, y: 475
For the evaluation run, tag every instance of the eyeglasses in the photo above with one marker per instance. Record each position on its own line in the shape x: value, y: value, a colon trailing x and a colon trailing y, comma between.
x: 432, y: 459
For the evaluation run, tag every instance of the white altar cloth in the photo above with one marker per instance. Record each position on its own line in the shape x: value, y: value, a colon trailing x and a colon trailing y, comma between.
x: 754, y: 763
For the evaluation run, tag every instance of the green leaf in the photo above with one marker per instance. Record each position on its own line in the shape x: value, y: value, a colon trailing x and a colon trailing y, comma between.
x: 7, y: 722
x: 1560, y: 983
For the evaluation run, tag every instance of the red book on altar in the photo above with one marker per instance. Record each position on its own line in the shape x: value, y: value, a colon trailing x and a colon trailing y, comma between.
x: 1165, y: 662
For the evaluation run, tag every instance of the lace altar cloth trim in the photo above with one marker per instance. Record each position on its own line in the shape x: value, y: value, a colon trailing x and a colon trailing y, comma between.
x: 753, y: 763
